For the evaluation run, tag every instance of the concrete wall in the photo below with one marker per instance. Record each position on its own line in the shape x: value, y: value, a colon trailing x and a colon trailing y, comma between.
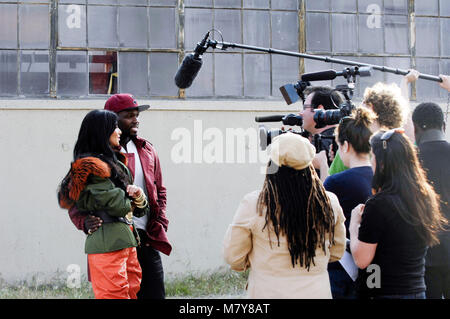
x: 37, y: 238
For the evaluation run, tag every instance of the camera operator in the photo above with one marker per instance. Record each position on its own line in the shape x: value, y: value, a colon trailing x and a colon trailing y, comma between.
x: 321, y: 97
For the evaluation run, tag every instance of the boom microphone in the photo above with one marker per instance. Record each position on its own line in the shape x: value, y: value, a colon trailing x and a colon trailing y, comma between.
x: 320, y: 76
x: 270, y: 118
x: 188, y: 71
x: 191, y: 65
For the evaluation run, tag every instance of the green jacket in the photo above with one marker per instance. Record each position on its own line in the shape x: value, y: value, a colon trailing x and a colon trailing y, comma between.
x: 94, y: 191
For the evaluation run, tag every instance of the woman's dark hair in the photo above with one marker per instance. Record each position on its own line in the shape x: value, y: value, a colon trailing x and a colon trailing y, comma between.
x: 355, y: 129
x: 398, y: 173
x: 296, y: 205
x: 93, y: 140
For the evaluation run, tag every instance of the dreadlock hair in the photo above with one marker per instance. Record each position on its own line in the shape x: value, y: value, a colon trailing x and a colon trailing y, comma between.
x: 399, y: 175
x: 296, y: 205
x: 93, y: 140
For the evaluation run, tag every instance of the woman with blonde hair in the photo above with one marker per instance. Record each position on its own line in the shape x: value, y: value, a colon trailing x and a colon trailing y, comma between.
x: 288, y: 232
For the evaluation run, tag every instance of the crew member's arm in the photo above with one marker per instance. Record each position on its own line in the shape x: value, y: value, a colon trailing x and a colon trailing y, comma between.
x: 320, y: 162
x: 362, y: 252
x: 445, y: 84
x: 411, y: 77
x: 338, y: 248
x: 237, y: 243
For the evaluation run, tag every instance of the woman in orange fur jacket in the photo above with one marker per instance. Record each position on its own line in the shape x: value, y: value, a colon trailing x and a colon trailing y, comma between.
x: 99, y: 183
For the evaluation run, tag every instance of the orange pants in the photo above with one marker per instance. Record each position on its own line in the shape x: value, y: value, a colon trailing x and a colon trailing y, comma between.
x: 115, y: 275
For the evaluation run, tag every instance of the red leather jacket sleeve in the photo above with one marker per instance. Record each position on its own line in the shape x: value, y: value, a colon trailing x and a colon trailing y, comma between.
x: 162, y: 194
x: 77, y: 218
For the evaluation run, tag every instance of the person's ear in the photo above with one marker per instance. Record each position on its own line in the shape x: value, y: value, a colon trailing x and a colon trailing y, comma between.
x: 345, y: 147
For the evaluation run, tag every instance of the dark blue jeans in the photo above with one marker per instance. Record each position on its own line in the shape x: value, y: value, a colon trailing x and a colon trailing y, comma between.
x: 342, y: 286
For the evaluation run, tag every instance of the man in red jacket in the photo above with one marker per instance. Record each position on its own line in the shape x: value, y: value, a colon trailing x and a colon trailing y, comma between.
x: 143, y: 163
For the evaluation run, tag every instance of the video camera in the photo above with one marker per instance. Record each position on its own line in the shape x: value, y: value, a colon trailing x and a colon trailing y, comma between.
x: 293, y: 92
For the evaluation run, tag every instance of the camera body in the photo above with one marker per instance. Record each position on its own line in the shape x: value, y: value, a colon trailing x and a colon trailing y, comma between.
x: 293, y: 92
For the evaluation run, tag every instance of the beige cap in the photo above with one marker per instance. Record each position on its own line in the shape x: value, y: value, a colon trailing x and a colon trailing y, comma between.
x: 293, y: 150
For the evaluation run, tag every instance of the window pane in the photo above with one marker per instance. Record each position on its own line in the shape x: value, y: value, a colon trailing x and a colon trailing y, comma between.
x: 133, y: 73
x: 285, y: 30
x: 445, y: 31
x: 444, y: 69
x: 8, y: 72
x: 102, y: 27
x: 343, y: 32
x: 400, y: 63
x: 227, y: 3
x: 197, y: 23
x: 257, y: 75
x: 34, y: 72
x: 163, y: 2
x: 102, y: 72
x: 426, y: 7
x: 284, y: 71
x: 34, y: 28
x: 396, y: 34
x: 228, y: 74
x: 229, y: 23
x: 72, y: 1
x: 256, y: 28
x: 260, y: 4
x: 163, y: 67
x: 395, y: 7
x: 444, y: 7
x: 135, y: 2
x: 203, y: 83
x: 71, y: 73
x: 370, y: 36
x: 427, y: 36
x: 72, y: 25
x: 365, y: 81
x: 38, y: 1
x: 8, y: 25
x: 163, y: 28
x: 317, y: 32
x: 427, y: 89
x: 315, y: 66
x: 102, y: 1
x: 198, y: 3
x: 370, y: 6
x: 322, y: 5
x: 133, y: 27
x: 343, y: 5
x: 285, y: 4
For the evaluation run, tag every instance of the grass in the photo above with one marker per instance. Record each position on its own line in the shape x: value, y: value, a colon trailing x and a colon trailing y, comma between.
x: 214, y: 284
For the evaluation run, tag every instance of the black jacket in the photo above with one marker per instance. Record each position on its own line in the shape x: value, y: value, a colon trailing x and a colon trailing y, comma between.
x: 434, y: 153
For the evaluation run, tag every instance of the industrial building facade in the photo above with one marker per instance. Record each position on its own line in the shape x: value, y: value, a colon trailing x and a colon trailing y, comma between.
x: 92, y: 48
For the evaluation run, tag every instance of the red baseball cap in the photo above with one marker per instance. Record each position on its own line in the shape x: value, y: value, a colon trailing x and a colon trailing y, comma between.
x: 122, y: 102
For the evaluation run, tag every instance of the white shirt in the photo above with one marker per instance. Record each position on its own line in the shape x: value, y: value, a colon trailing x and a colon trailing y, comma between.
x: 139, y: 222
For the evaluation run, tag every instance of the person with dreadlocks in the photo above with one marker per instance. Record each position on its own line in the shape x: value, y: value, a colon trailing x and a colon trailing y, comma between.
x: 99, y: 183
x: 288, y: 232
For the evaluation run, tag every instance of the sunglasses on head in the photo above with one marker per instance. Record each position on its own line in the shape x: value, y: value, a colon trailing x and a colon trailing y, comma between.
x: 388, y: 134
x: 345, y: 119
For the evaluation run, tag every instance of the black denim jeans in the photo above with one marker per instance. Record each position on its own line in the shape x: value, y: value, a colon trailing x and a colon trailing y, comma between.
x: 152, y: 285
